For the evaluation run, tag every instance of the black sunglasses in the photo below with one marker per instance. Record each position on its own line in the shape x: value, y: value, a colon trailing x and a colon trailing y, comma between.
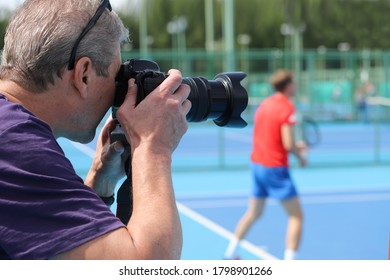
x: 105, y: 4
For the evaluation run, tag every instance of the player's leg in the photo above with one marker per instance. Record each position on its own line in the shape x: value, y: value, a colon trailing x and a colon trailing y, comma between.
x: 283, y: 189
x: 254, y: 211
x: 294, y: 228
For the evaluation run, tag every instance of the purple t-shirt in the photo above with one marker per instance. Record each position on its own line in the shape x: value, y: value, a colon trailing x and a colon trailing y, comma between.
x: 45, y: 209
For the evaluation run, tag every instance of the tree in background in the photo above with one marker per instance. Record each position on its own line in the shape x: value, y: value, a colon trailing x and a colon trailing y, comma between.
x: 361, y: 23
x: 3, y: 26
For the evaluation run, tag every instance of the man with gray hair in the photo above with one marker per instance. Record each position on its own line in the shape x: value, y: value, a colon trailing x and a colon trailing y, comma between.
x: 57, y: 79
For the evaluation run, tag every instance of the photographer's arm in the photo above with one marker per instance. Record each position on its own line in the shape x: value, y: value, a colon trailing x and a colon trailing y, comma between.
x: 153, y: 129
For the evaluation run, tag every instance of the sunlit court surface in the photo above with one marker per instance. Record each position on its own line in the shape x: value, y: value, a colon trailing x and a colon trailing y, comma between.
x: 345, y: 195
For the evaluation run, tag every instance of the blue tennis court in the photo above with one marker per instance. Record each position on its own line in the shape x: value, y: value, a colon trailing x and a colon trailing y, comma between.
x: 345, y: 195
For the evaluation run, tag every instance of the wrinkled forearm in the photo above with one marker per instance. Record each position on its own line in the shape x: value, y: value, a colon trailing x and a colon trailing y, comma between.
x: 155, y: 225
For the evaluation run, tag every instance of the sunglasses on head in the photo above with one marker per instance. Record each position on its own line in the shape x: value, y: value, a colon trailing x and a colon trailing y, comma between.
x: 92, y: 22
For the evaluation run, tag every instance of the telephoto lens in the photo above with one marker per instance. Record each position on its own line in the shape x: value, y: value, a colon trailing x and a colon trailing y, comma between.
x: 221, y: 100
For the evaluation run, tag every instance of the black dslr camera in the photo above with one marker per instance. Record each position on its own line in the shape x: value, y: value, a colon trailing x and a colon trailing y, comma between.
x: 222, y: 100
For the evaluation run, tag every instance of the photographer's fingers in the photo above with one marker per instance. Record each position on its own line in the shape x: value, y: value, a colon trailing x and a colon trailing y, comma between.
x: 182, y: 96
x: 109, y: 121
x: 186, y: 107
x: 182, y: 93
x: 131, y: 96
x: 114, y: 153
x: 107, y: 128
x: 171, y: 83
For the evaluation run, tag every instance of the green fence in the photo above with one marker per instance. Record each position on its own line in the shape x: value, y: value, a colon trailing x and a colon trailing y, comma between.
x: 328, y: 82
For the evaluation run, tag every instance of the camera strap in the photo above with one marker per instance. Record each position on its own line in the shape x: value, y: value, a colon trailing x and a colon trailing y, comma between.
x: 124, y: 199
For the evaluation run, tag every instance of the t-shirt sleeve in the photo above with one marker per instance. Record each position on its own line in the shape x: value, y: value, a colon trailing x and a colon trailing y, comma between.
x: 45, y: 209
x: 289, y: 117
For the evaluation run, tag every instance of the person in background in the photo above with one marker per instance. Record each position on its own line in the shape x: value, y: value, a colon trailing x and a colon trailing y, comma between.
x: 273, y: 140
x: 363, y: 93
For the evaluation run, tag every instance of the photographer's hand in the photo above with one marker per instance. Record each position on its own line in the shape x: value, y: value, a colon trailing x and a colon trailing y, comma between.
x: 159, y: 121
x: 108, y: 164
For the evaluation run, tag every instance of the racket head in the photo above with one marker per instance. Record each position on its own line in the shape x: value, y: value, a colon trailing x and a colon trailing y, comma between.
x: 311, y: 132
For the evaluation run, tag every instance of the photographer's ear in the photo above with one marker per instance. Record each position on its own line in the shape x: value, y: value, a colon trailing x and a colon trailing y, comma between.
x: 83, y: 72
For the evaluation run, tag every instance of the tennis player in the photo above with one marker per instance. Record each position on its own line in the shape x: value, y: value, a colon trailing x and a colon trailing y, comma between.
x: 273, y: 140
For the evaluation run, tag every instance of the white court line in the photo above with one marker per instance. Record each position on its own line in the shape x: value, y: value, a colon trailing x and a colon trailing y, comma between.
x: 258, y: 252
x: 84, y: 148
x: 320, y: 191
x: 321, y: 199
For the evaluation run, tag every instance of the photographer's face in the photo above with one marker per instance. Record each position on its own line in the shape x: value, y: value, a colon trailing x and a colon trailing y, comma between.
x: 100, y: 99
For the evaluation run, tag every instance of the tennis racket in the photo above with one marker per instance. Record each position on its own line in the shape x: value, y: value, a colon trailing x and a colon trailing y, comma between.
x: 310, y: 132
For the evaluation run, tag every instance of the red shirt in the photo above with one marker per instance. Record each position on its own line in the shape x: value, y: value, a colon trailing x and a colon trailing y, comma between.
x: 268, y: 149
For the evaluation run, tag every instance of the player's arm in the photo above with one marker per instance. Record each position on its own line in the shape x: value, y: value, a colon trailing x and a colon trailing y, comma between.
x: 289, y: 144
x: 153, y: 129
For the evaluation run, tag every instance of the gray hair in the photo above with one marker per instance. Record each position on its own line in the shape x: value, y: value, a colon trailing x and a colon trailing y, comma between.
x: 41, y: 34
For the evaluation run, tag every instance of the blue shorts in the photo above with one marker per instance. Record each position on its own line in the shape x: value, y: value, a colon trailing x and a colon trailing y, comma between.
x: 274, y: 182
